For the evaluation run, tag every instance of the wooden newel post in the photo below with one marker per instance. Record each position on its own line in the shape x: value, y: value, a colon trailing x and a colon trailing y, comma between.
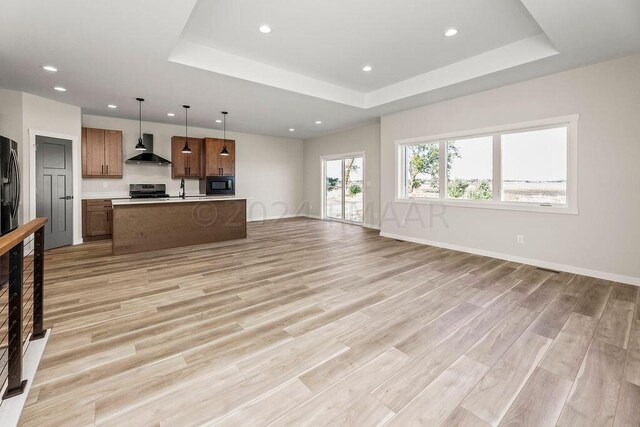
x: 38, y: 285
x: 15, y: 385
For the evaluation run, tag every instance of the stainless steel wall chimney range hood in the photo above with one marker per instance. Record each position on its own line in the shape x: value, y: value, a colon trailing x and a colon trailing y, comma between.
x: 147, y: 157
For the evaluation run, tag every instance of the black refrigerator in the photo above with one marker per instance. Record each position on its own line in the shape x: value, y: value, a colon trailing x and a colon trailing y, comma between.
x: 9, y: 197
x: 10, y: 186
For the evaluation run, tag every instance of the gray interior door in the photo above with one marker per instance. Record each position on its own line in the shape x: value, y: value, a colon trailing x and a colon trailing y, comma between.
x: 54, y: 190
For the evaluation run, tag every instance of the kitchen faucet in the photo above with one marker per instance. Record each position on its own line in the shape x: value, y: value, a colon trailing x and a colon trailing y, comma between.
x: 183, y: 195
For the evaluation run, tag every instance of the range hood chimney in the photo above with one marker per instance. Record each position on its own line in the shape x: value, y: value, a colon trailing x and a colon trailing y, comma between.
x: 147, y: 157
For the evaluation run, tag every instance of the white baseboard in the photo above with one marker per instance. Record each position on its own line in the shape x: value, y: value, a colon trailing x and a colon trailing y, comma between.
x: 11, y: 409
x: 522, y: 260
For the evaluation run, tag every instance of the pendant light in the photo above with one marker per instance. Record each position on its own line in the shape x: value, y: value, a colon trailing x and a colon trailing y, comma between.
x: 224, y: 151
x: 186, y: 149
x: 140, y: 145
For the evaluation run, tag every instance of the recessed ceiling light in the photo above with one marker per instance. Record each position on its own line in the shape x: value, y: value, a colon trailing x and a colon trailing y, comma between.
x: 218, y: 121
x: 60, y: 89
x: 451, y: 32
x: 49, y: 68
x: 112, y: 106
x: 291, y: 130
x: 265, y: 29
x: 367, y: 68
x: 318, y: 122
x: 171, y: 114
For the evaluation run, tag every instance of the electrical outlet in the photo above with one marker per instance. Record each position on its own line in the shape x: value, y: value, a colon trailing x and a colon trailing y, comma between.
x: 310, y: 206
x: 105, y: 185
x: 520, y: 239
x: 403, y: 223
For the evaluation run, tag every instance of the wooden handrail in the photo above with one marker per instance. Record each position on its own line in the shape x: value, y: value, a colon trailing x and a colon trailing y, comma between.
x: 8, y: 241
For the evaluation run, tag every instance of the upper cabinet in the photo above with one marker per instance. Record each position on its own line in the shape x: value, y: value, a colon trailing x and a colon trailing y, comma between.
x: 186, y: 165
x: 217, y: 164
x: 101, y: 153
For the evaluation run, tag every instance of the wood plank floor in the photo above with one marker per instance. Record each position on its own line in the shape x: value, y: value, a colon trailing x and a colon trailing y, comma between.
x: 314, y: 323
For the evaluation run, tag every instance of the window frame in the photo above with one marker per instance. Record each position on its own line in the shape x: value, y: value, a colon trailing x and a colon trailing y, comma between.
x: 571, y: 207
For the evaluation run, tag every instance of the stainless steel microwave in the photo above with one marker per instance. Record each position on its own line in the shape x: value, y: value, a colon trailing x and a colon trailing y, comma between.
x: 221, y: 185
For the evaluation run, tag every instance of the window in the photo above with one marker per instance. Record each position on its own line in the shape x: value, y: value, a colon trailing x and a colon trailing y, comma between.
x: 527, y: 166
x: 422, y: 166
x: 470, y: 168
x: 534, y: 166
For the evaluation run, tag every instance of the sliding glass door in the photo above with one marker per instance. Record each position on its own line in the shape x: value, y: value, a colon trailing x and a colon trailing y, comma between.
x: 344, y: 188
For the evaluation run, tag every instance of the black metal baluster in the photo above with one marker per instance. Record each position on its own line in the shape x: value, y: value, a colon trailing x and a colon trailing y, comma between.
x: 15, y: 384
x: 38, y: 282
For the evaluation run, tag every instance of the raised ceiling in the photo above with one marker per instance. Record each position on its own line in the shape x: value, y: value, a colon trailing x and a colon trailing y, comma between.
x: 210, y: 54
x: 331, y: 40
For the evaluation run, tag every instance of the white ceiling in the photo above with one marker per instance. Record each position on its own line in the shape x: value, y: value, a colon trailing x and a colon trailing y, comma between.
x: 209, y: 53
x: 331, y: 40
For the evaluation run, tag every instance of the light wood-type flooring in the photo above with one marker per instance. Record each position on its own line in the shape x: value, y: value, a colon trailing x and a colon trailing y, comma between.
x: 313, y: 323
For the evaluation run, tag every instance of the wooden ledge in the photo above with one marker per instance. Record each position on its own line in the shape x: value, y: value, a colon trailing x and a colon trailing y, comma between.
x: 8, y: 241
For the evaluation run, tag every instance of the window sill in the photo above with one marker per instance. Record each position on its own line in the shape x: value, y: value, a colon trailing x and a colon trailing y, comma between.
x: 524, y: 207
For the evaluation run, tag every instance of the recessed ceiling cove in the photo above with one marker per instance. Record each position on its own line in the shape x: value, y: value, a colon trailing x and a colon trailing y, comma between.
x: 319, y: 48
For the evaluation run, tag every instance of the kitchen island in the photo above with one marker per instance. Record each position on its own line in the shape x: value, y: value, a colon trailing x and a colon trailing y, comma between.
x: 141, y: 225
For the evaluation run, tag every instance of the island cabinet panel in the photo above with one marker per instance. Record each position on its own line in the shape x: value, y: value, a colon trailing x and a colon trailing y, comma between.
x: 101, y: 153
x: 97, y: 217
x: 217, y: 164
x: 140, y: 227
x: 187, y: 165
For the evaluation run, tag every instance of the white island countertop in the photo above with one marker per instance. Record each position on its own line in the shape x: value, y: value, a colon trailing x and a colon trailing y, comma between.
x: 192, y: 199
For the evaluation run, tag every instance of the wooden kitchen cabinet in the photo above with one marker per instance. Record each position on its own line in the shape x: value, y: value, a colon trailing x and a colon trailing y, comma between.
x: 97, y: 219
x: 215, y: 163
x: 101, y: 153
x: 186, y: 165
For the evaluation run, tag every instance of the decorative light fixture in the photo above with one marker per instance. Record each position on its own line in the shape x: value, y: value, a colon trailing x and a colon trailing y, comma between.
x: 224, y: 151
x: 186, y: 149
x: 140, y: 145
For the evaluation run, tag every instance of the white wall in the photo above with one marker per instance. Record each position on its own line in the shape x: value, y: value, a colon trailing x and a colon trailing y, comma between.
x: 11, y: 115
x: 602, y: 240
x: 268, y: 169
x: 362, y: 139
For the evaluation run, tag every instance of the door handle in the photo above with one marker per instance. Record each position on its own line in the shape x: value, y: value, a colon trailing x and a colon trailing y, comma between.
x: 66, y: 198
x: 102, y: 172
x: 14, y: 181
x: 107, y: 166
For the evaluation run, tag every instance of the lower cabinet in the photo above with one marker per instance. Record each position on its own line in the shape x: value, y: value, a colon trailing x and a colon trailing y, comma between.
x: 97, y: 219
